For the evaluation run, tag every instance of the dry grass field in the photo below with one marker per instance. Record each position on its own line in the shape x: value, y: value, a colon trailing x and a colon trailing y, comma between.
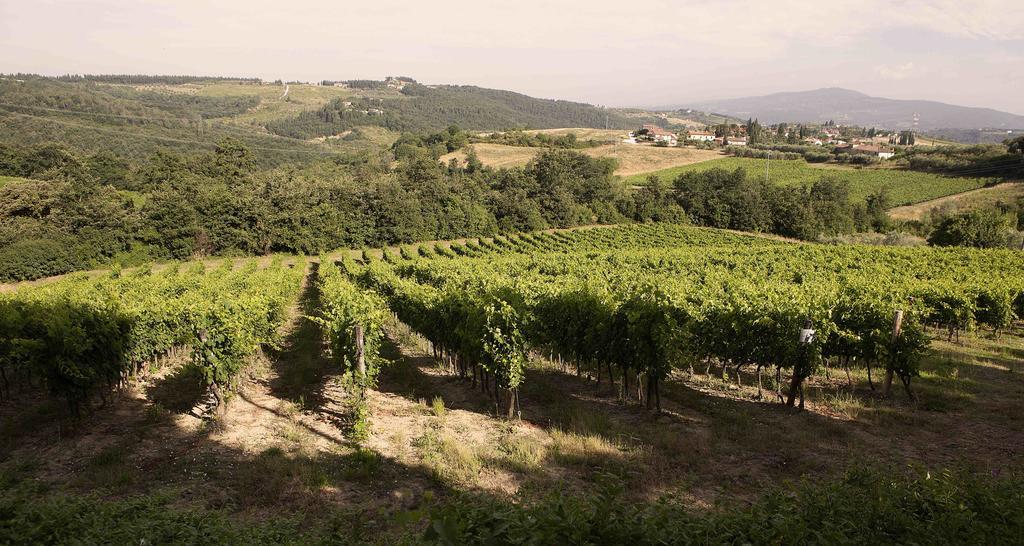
x: 496, y: 155
x: 689, y: 123
x: 638, y: 159
x: 586, y: 133
x: 974, y: 199
x: 923, y: 140
x: 633, y: 159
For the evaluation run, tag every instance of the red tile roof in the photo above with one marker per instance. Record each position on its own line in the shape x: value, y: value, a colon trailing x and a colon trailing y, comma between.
x: 657, y: 131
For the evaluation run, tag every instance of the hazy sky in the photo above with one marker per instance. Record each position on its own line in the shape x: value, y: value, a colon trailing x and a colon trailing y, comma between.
x: 619, y: 53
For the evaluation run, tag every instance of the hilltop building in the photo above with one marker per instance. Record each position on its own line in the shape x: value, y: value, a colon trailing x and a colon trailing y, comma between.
x: 656, y: 134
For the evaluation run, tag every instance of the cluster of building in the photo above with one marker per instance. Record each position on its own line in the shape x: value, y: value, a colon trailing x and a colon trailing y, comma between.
x: 829, y: 136
x: 876, y: 150
x: 653, y: 133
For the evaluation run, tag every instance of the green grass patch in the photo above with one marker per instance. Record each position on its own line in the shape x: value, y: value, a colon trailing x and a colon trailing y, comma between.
x: 865, y: 506
x: 905, y: 187
x: 4, y: 180
x: 27, y: 519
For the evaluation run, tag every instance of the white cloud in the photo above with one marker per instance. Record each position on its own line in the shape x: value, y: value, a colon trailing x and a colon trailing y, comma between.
x: 895, y: 72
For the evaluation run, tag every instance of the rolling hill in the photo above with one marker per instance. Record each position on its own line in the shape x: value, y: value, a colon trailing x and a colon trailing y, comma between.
x: 138, y: 115
x: 855, y: 108
x: 139, y: 119
x: 424, y: 108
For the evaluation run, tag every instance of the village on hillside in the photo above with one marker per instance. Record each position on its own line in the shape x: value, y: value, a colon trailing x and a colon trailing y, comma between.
x: 870, y: 143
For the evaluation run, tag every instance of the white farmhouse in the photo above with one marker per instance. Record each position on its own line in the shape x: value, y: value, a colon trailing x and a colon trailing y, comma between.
x: 656, y: 134
x: 880, y: 152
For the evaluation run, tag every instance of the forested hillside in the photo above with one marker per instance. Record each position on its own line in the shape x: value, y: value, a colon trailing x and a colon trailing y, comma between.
x: 431, y: 108
x: 128, y: 169
x: 137, y: 121
x: 72, y: 211
x: 125, y: 102
x: 138, y: 115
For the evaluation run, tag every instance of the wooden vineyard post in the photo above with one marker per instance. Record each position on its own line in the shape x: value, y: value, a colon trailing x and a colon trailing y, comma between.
x: 360, y: 357
x: 897, y: 326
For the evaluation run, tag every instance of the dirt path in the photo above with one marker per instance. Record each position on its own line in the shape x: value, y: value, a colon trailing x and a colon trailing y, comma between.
x: 297, y: 388
x: 290, y: 405
x: 284, y: 443
x: 421, y: 415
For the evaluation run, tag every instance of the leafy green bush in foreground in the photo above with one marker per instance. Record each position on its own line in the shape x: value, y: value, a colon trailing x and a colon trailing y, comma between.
x: 865, y: 506
x: 140, y: 520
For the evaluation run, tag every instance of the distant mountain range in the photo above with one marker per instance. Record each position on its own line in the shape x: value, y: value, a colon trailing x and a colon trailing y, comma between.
x: 855, y: 108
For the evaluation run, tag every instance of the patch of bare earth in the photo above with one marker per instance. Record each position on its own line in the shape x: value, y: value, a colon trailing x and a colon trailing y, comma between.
x: 280, y: 441
x: 423, y: 417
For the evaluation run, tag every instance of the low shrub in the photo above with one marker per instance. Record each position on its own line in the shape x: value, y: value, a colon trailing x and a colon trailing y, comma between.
x: 866, y: 506
x: 36, y: 258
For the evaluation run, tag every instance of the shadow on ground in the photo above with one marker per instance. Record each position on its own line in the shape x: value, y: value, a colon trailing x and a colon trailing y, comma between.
x: 300, y: 366
x: 180, y: 390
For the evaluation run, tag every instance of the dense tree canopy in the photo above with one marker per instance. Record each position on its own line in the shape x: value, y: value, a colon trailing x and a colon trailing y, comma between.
x: 76, y: 210
x: 731, y: 199
x: 985, y: 228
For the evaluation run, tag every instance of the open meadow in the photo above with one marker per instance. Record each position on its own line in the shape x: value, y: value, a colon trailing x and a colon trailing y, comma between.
x: 1007, y: 192
x: 586, y: 133
x: 301, y: 97
x: 633, y: 159
x: 904, y: 187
